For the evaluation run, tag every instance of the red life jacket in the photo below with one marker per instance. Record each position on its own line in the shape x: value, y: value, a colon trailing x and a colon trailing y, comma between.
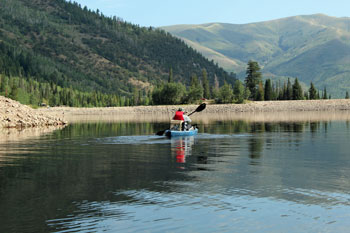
x: 179, y: 115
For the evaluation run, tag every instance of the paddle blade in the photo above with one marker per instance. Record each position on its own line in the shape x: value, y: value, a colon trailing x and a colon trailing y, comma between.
x: 160, y: 133
x: 201, y: 107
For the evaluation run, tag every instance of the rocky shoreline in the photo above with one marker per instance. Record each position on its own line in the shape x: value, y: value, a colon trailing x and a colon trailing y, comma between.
x: 16, y: 115
x: 252, y: 107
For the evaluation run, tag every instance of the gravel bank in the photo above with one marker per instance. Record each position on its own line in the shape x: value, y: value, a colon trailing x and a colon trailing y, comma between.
x: 263, y: 106
x: 16, y: 115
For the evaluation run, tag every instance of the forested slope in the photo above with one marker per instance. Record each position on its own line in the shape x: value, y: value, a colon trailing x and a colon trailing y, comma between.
x: 63, y: 43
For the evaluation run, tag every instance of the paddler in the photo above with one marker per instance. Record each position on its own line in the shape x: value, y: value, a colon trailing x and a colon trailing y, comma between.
x: 180, y: 114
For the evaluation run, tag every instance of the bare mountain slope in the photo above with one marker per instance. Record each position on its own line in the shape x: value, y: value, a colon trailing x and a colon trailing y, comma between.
x: 311, y: 47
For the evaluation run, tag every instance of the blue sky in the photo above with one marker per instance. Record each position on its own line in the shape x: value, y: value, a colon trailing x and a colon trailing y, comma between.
x: 170, y: 12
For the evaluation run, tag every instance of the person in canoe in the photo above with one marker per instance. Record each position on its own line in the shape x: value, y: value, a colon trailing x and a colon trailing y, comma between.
x: 180, y: 114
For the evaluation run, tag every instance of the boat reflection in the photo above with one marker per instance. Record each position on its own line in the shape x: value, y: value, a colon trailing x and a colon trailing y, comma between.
x: 181, y: 147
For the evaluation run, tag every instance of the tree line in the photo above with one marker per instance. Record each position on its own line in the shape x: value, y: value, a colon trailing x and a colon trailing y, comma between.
x: 32, y: 92
x: 253, y: 88
x: 35, y: 93
x: 260, y: 91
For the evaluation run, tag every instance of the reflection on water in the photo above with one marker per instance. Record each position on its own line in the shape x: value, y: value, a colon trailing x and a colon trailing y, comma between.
x: 13, y: 134
x: 11, y: 142
x: 181, y: 148
x: 252, y: 176
x: 208, y: 118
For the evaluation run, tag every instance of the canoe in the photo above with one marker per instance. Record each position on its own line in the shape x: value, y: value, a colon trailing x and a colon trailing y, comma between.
x: 176, y: 133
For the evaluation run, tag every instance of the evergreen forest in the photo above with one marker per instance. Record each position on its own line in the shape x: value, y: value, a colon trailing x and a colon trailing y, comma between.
x: 63, y: 48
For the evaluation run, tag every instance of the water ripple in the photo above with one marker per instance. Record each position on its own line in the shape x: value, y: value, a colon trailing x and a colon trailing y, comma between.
x: 151, y: 139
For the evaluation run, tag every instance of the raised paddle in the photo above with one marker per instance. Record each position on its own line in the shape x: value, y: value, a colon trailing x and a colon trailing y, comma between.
x: 198, y: 109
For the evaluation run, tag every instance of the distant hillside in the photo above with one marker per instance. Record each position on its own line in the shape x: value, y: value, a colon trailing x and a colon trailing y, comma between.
x: 61, y: 42
x: 312, y: 48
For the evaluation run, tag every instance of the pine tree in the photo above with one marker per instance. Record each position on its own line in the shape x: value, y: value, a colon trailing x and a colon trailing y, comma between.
x: 226, y: 94
x: 135, y: 96
x: 260, y: 93
x: 274, y: 91
x: 285, y: 91
x: 194, y: 80
x: 246, y: 93
x: 325, y: 96
x: 4, y: 86
x: 268, y: 90
x: 312, y: 92
x: 215, y: 89
x: 171, y: 77
x: 14, y: 92
x: 238, y: 92
x: 253, y: 78
x: 195, y: 92
x: 280, y: 93
x: 297, y: 91
x: 289, y: 94
x: 205, y: 83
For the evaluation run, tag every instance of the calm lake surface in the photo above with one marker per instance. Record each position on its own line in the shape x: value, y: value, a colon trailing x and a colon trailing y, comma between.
x: 234, y: 176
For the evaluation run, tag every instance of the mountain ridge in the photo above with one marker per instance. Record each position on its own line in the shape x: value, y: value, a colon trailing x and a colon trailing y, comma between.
x: 286, y: 47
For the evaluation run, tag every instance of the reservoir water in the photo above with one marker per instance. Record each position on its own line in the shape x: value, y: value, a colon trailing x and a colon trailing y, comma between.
x: 234, y: 176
